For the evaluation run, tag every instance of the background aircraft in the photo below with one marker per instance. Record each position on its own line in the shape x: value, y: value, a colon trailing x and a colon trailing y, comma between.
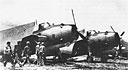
x: 99, y: 44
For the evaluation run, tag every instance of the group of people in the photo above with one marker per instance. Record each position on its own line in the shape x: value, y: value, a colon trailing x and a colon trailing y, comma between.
x: 16, y: 55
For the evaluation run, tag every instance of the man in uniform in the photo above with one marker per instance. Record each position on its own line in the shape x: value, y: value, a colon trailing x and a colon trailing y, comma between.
x: 26, y: 52
x: 8, y: 54
x: 37, y: 52
x: 17, y: 49
x: 40, y: 51
x: 17, y: 53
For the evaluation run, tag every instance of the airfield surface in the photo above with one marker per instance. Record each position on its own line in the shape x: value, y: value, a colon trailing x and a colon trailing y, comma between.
x: 78, y: 64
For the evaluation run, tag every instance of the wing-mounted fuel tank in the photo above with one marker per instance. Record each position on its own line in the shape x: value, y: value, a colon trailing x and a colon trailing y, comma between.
x: 56, y: 34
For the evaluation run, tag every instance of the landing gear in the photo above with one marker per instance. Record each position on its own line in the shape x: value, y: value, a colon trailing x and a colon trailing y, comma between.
x: 89, y: 59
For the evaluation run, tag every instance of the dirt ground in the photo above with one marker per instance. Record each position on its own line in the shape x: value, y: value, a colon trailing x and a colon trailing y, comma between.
x: 78, y: 64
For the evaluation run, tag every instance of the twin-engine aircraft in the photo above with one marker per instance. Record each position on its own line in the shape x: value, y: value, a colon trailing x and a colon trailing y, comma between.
x: 99, y: 44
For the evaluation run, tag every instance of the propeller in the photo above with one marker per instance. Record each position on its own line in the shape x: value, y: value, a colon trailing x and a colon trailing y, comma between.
x: 81, y: 35
x: 120, y: 47
x: 114, y: 31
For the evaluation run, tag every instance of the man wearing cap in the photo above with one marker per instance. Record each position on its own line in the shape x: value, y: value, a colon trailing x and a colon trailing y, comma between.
x: 40, y: 51
x: 8, y: 54
x: 27, y: 52
x: 37, y: 52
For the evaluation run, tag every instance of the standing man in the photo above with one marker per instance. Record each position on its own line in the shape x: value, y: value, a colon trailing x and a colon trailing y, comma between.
x: 8, y: 54
x: 27, y: 52
x: 41, y: 54
x: 17, y: 52
x: 37, y: 52
x: 17, y: 49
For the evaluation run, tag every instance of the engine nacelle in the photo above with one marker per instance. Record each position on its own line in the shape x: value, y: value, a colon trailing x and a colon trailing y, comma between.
x: 110, y: 39
x: 56, y: 34
x: 103, y: 41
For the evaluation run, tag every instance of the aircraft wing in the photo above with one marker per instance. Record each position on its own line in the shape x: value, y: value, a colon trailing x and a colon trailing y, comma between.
x: 16, y: 33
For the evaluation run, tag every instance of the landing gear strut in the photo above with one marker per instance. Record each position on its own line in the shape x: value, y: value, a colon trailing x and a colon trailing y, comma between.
x: 89, y: 59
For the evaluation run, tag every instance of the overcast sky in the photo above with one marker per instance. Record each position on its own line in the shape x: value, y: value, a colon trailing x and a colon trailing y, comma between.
x: 89, y: 14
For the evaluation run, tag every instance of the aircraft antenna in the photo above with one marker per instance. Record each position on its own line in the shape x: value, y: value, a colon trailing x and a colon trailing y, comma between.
x: 73, y: 17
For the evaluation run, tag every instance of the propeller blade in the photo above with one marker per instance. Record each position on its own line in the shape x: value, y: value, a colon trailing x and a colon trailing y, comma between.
x: 112, y: 29
x: 81, y: 35
x: 122, y: 33
x: 73, y: 17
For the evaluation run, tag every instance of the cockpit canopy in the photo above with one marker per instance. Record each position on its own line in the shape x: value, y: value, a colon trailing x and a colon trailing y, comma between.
x: 43, y: 26
x: 91, y: 32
